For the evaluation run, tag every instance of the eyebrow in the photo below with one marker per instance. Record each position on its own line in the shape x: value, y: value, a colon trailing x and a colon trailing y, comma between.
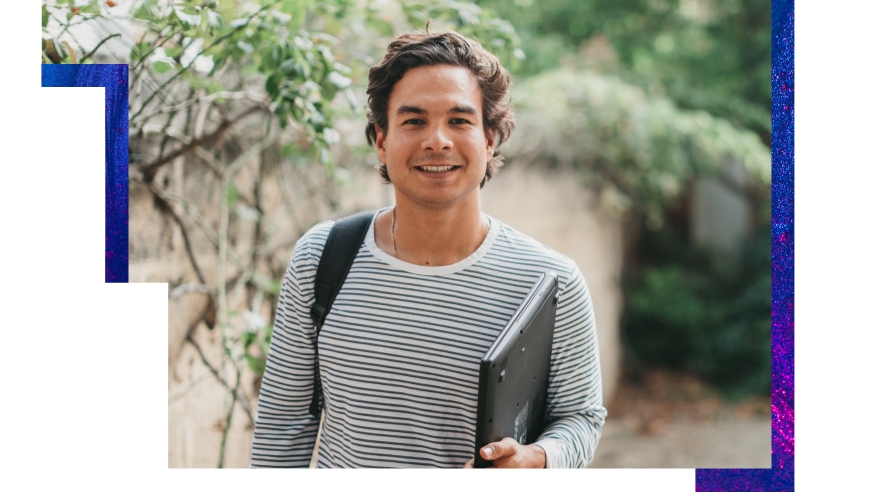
x: 462, y: 110
x: 407, y: 109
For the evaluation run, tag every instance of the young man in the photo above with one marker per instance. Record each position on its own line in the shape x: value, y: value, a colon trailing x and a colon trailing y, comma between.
x: 433, y: 284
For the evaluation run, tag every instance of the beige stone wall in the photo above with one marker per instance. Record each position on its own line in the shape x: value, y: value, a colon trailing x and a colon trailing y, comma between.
x: 553, y: 208
x: 550, y: 207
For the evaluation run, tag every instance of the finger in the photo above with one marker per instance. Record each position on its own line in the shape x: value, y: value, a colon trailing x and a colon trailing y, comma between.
x: 470, y: 464
x: 499, y: 449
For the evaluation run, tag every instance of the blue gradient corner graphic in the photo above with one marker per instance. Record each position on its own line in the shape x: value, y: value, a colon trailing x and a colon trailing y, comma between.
x: 115, y: 80
x: 780, y: 477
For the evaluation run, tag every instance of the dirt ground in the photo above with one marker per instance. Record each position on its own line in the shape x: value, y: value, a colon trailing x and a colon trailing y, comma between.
x: 660, y: 419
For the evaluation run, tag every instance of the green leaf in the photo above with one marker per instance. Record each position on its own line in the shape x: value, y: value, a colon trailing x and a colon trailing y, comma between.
x: 246, y: 47
x: 161, y: 66
x: 139, y: 51
x: 93, y: 8
x: 45, y: 16
x: 189, y: 21
x: 281, y: 113
x: 263, y: 344
x: 257, y: 365
x: 238, y: 23
x: 174, y: 51
x: 338, y: 80
x: 293, y: 8
x: 232, y: 193
x: 143, y: 12
x: 195, y: 81
x: 272, y: 84
x: 215, y: 19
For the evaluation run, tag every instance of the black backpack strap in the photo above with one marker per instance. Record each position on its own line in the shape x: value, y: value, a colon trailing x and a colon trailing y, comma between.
x: 342, y: 246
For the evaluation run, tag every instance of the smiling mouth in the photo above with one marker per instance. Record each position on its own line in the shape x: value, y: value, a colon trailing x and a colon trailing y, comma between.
x: 437, y: 168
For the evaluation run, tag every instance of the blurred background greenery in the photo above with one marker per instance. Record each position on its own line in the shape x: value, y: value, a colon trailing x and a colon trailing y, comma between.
x: 655, y: 104
x: 651, y: 100
x: 703, y: 66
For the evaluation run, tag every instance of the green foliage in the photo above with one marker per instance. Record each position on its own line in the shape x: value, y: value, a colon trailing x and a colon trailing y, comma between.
x: 703, y: 311
x: 495, y: 34
x: 199, y: 68
x: 66, y: 13
x: 300, y: 69
x: 713, y: 55
x: 294, y: 47
x: 259, y: 338
x: 643, y: 96
x: 636, y: 151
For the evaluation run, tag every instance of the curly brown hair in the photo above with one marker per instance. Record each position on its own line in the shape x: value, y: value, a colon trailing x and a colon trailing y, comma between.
x: 412, y: 50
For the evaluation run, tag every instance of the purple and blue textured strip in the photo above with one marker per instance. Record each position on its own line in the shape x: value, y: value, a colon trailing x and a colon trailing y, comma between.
x: 115, y: 80
x: 781, y: 476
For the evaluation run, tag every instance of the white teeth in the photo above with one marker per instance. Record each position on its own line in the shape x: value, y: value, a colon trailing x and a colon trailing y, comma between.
x: 429, y: 168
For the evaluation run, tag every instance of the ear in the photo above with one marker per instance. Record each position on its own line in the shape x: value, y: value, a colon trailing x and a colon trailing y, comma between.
x: 380, y: 143
x: 491, y: 142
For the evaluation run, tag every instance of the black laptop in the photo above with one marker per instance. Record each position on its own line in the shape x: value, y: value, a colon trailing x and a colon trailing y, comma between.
x: 514, y: 372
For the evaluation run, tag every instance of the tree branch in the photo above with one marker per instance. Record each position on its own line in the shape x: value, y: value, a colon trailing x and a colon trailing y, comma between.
x: 204, y: 49
x: 92, y: 52
x: 198, y: 219
x: 236, y: 95
x: 229, y: 422
x: 150, y: 170
x: 166, y: 207
x: 243, y: 400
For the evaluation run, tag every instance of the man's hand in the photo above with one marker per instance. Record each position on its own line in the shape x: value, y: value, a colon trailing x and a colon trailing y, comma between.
x: 509, y: 454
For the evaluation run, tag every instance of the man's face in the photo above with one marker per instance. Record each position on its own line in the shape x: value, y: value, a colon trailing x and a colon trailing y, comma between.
x: 436, y: 149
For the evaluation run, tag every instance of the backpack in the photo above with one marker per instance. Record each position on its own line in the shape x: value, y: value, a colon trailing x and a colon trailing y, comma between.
x: 341, y: 247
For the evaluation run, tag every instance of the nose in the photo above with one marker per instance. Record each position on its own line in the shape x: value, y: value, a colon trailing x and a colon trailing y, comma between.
x: 437, y: 139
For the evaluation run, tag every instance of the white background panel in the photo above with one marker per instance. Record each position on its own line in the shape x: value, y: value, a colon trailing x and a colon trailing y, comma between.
x: 85, y: 362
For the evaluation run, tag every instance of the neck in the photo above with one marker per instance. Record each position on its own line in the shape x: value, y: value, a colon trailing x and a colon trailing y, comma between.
x: 430, y: 236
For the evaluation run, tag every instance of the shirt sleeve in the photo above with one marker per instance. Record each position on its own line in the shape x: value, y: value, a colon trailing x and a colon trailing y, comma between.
x: 285, y: 431
x: 574, y: 409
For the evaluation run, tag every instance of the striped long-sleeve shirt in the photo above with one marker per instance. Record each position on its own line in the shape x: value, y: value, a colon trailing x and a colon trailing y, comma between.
x: 399, y: 357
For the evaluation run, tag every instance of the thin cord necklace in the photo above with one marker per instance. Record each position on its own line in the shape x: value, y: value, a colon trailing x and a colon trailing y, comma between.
x: 395, y: 249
